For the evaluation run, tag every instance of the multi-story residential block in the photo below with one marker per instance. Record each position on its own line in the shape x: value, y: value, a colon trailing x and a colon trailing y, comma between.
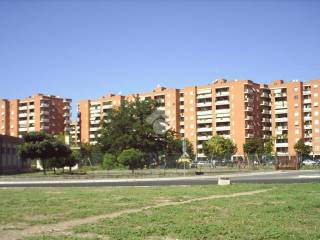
x: 35, y: 113
x: 93, y: 113
x: 239, y: 110
x: 74, y: 134
x: 295, y: 115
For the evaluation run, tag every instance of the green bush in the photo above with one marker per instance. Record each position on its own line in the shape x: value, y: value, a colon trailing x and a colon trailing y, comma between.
x: 133, y: 158
x: 109, y: 161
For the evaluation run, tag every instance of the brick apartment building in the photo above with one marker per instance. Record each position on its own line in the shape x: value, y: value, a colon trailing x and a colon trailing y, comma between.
x: 35, y: 113
x: 239, y: 110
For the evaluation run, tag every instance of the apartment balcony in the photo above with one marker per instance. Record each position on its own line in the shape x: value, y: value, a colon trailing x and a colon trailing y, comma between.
x: 249, y: 135
x: 249, y: 118
x: 266, y: 120
x: 265, y: 111
x: 280, y: 105
x: 181, y: 99
x: 222, y: 102
x: 32, y: 129
x: 307, y: 118
x: 226, y: 119
x: 309, y: 109
x: 283, y: 94
x: 281, y: 144
x: 248, y: 99
x: 199, y: 146
x: 203, y: 96
x: 161, y: 108
x: 66, y: 114
x: 248, y: 109
x: 109, y: 106
x: 31, y: 121
x: 206, y: 104
x: 181, y: 106
x: 43, y: 112
x: 182, y: 131
x: 95, y: 122
x: 307, y: 92
x: 94, y: 129
x: 46, y: 120
x: 22, y: 129
x: 221, y: 111
x: 264, y: 128
x: 208, y: 120
x: 308, y: 100
x: 23, y: 115
x: 23, y: 108
x: 222, y: 93
x: 265, y: 95
x: 307, y: 126
x: 223, y: 128
x: 204, y: 129
x: 31, y: 106
x: 204, y: 138
x: 281, y: 128
x: 181, y: 122
x: 266, y: 136
x: 95, y: 111
x: 209, y: 112
x: 308, y: 143
x: 23, y: 122
x: 285, y: 119
x: 44, y: 127
x: 265, y: 103
x: 67, y: 121
x: 280, y: 111
x: 44, y: 105
x: 248, y: 91
x: 307, y: 135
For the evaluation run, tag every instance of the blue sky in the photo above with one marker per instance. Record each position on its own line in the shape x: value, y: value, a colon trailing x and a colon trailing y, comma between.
x: 85, y: 49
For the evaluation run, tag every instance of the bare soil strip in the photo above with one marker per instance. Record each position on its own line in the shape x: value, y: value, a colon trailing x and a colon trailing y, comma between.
x: 63, y: 226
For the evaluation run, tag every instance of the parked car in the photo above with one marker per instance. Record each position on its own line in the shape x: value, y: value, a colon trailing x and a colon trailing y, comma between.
x: 309, y: 162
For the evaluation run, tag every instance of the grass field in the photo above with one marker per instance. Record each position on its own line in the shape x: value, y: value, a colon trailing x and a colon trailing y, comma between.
x: 285, y: 212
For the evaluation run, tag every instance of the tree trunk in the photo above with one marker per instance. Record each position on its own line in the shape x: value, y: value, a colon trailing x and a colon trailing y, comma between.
x: 69, y: 169
x: 44, y: 166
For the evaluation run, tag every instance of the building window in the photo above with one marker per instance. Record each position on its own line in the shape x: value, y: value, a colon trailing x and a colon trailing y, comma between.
x: 296, y: 89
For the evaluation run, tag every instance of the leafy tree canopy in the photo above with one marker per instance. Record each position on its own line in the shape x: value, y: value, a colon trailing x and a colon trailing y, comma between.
x: 219, y: 147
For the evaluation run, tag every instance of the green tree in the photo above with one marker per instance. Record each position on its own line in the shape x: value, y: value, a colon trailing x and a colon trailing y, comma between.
x: 302, y: 149
x: 72, y: 160
x: 136, y: 124
x: 96, y: 154
x: 255, y: 148
x: 109, y: 161
x: 85, y: 151
x: 219, y: 147
x: 37, y: 145
x: 133, y: 158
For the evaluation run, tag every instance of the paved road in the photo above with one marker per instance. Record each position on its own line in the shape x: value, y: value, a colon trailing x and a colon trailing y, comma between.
x: 301, y: 176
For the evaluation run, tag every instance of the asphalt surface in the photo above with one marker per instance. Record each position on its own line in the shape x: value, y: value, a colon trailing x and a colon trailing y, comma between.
x: 300, y: 176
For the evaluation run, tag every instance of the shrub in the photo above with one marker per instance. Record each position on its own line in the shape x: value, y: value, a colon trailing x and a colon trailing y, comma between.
x: 109, y: 161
